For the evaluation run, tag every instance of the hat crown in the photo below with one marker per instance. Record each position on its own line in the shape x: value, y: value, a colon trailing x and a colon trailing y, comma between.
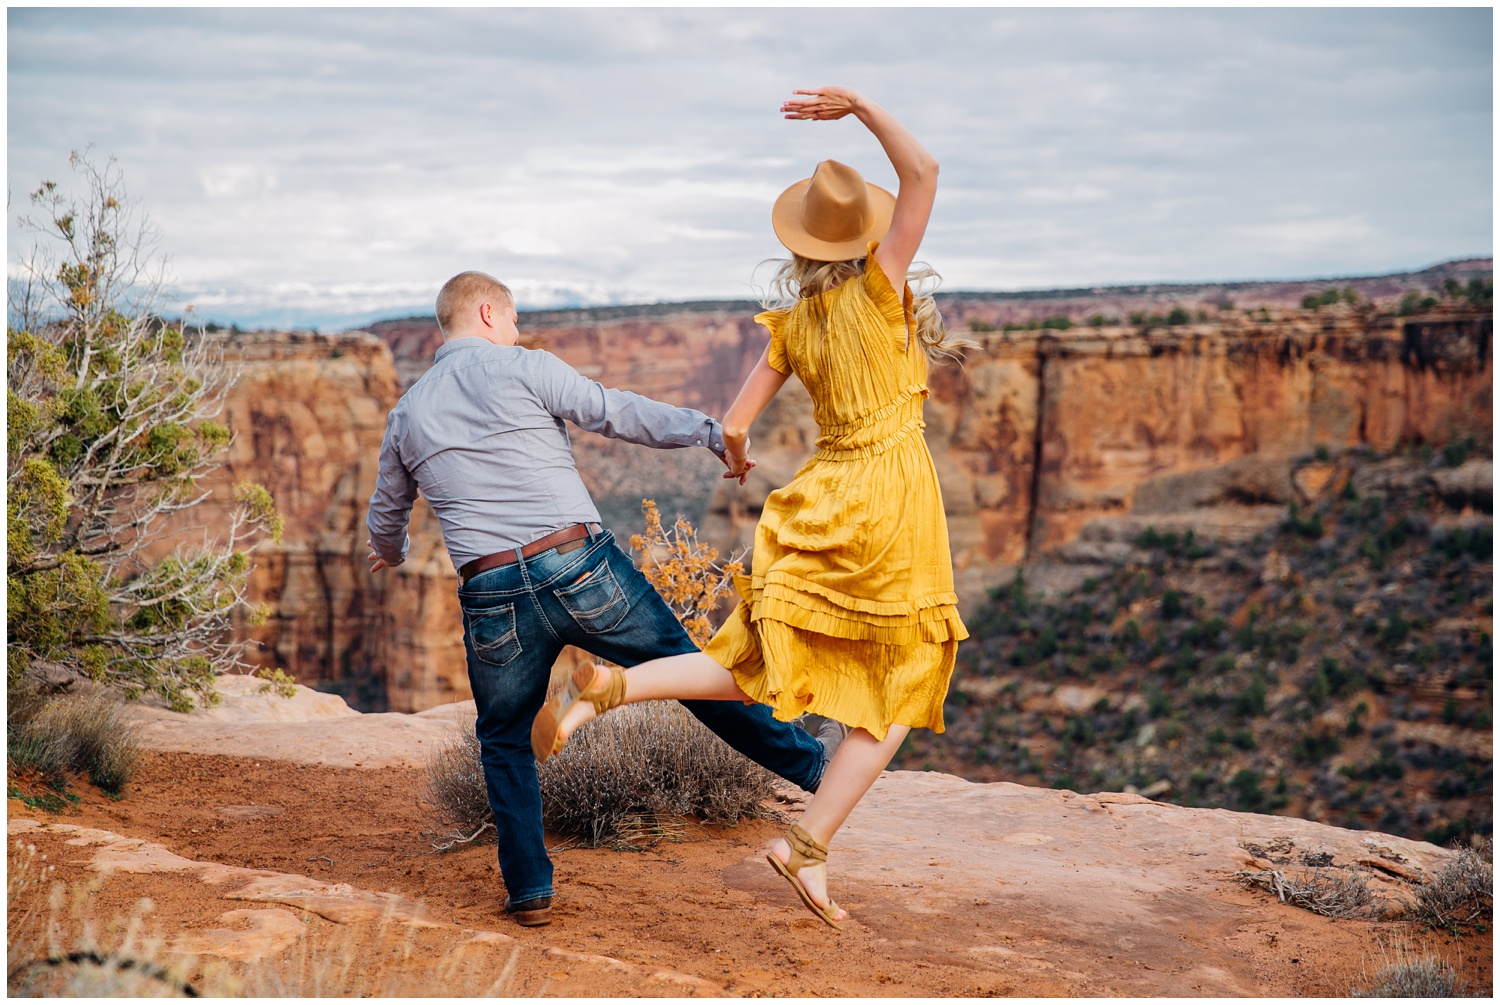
x: 836, y: 206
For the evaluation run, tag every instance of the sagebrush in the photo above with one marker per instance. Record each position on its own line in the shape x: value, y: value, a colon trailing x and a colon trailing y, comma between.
x: 624, y: 778
x: 1402, y: 973
x: 1461, y: 892
x: 624, y: 773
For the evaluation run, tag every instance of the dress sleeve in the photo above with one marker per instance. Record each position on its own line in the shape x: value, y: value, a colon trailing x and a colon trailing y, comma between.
x: 896, y: 309
x: 776, y: 322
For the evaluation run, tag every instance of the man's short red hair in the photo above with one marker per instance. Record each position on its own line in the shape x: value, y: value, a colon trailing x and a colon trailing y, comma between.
x: 464, y: 292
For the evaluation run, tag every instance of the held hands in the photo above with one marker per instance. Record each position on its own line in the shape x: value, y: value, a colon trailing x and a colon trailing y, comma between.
x: 737, y: 461
x: 824, y: 103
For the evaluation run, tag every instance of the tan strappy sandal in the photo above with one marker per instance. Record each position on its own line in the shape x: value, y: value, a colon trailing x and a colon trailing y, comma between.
x: 546, y: 738
x: 805, y: 849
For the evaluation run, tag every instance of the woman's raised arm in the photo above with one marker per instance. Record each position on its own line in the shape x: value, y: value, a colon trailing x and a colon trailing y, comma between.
x: 916, y: 169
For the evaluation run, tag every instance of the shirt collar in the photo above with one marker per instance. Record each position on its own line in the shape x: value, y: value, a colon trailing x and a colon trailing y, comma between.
x: 468, y: 342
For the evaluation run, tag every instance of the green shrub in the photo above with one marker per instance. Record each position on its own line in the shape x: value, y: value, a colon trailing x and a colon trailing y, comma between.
x: 1252, y: 700
x: 1394, y: 632
x: 1315, y: 746
x: 1246, y: 786
x: 1310, y: 528
x: 110, y: 427
x: 1078, y: 730
x: 1413, y: 301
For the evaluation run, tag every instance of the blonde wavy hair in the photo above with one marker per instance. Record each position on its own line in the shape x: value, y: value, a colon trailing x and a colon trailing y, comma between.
x: 797, y: 279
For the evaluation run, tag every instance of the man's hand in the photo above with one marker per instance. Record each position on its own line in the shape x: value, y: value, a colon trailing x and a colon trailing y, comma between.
x: 376, y: 562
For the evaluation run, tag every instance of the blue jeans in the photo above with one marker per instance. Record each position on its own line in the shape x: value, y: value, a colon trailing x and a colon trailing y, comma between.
x: 517, y: 618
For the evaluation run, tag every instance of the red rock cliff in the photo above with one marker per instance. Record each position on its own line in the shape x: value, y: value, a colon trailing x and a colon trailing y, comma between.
x: 1039, y: 433
x: 1035, y: 437
x: 308, y: 413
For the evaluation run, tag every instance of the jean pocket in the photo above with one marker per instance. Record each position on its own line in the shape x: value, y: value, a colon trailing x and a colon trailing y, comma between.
x: 492, y: 633
x: 596, y: 602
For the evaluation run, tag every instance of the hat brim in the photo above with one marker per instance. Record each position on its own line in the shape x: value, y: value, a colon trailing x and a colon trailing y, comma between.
x: 786, y: 220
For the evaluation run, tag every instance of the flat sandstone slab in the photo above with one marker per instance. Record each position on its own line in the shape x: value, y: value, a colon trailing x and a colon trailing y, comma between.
x: 309, y: 728
x: 1114, y: 893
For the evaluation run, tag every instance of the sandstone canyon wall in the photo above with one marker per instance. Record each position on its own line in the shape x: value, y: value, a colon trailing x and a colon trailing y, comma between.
x: 1039, y: 439
x: 308, y: 412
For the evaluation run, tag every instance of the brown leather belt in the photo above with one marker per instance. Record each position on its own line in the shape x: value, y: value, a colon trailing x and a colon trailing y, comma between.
x: 509, y: 556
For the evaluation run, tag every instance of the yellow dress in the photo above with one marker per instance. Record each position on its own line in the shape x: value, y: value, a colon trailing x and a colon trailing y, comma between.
x: 849, y: 611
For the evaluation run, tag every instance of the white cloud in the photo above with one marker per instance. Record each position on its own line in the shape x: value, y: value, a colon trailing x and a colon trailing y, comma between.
x: 307, y: 165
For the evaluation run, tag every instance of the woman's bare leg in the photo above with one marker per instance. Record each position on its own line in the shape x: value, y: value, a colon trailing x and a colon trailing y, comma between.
x: 855, y: 766
x: 677, y: 678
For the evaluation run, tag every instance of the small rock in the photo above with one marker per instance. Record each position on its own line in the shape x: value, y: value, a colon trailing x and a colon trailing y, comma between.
x: 1157, y: 789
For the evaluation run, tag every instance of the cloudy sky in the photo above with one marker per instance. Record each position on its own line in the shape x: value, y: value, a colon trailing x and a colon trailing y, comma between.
x: 333, y: 167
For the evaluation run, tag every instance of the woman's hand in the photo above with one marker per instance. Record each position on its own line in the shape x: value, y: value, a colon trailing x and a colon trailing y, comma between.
x: 736, y: 460
x: 824, y: 103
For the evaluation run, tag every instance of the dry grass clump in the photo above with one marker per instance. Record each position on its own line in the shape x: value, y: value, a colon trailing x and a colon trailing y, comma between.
x: 1333, y: 893
x: 1428, y: 977
x: 455, y: 790
x: 390, y: 958
x: 1461, y: 892
x: 625, y: 778
x: 40, y: 962
x: 1403, y: 974
x: 71, y: 733
x: 621, y: 775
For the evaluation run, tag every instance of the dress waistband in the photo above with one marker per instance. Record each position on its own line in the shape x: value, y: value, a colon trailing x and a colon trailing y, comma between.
x: 873, y: 448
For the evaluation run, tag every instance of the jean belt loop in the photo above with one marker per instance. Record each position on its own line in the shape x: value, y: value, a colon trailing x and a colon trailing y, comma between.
x: 525, y: 572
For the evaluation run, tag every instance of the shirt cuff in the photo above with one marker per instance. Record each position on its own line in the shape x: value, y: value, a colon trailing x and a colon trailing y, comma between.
x: 385, y: 553
x: 715, y: 439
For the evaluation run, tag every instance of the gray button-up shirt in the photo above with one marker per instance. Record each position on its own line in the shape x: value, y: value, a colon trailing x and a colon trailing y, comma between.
x: 481, y: 435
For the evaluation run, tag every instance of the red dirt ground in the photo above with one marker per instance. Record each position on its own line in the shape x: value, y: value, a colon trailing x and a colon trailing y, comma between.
x: 704, y: 905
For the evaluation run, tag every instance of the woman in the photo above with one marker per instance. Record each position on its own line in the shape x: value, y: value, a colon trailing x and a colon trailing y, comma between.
x: 849, y: 612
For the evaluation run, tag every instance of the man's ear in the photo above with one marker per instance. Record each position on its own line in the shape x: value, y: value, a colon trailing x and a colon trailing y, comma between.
x: 486, y: 311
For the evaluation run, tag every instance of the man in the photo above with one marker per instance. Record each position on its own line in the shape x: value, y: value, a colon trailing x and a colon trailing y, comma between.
x: 481, y: 435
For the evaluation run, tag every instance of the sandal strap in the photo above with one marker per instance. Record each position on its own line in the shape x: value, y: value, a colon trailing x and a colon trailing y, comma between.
x: 611, y: 695
x: 805, y: 848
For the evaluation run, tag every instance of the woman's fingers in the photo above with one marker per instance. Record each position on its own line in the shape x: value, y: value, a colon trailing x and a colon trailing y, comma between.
x: 742, y: 473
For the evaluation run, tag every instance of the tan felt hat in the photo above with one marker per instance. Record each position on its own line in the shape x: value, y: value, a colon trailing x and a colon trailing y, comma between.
x: 832, y: 216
